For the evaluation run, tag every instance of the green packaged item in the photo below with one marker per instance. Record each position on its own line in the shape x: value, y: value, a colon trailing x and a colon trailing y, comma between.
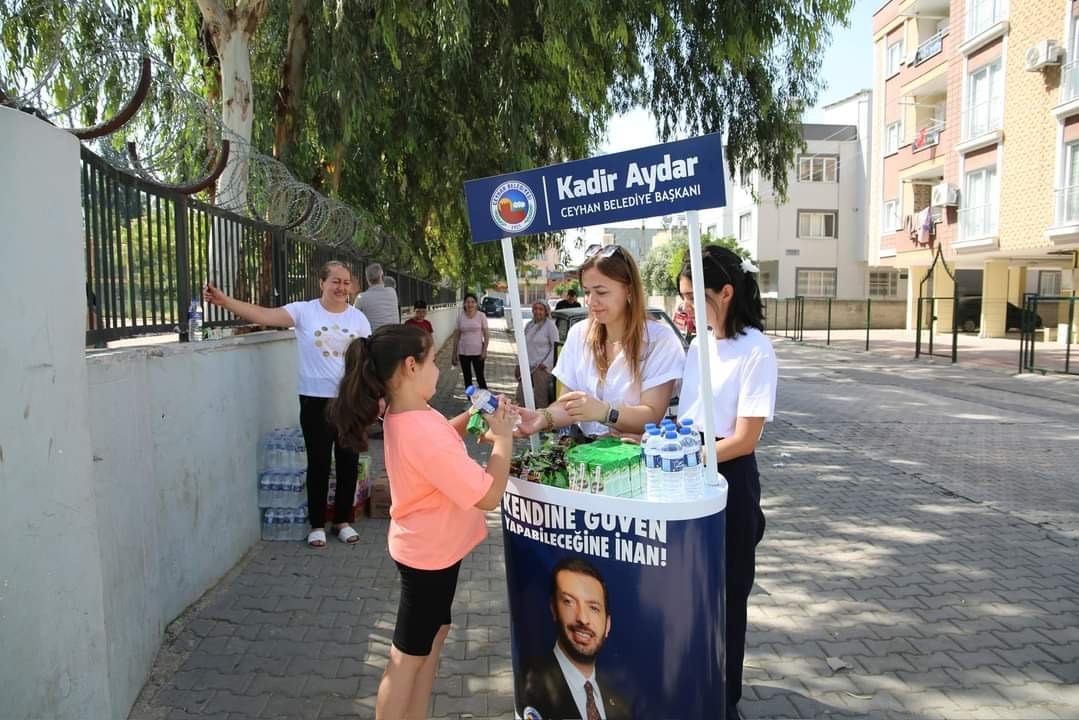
x: 476, y: 424
x: 608, y: 466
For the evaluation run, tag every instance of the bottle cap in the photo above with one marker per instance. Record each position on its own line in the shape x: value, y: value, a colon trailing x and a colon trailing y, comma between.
x: 685, y: 430
x: 687, y: 422
x: 672, y: 435
x: 470, y: 391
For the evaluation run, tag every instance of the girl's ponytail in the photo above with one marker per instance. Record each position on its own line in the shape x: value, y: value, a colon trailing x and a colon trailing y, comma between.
x: 369, y: 365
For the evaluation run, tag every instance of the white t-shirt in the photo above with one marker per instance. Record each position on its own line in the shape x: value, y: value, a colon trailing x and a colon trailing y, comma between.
x: 663, y: 359
x: 321, y: 340
x: 744, y: 378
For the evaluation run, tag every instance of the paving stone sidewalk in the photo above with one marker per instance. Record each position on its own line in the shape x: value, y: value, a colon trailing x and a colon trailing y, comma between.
x: 921, y: 560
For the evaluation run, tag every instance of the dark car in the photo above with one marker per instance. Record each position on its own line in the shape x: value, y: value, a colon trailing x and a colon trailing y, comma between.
x: 969, y: 318
x: 493, y: 307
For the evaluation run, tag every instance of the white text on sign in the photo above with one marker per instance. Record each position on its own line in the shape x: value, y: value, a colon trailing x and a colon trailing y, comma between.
x: 601, y: 181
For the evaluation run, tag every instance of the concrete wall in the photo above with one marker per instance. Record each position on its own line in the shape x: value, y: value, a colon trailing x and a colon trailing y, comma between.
x: 175, y: 431
x: 444, y: 321
x: 52, y: 630
x: 846, y: 314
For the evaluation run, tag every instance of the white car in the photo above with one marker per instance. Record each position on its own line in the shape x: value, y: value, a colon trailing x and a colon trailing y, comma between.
x: 525, y: 315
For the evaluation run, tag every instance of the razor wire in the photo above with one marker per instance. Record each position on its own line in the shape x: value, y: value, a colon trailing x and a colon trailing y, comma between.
x: 176, y: 138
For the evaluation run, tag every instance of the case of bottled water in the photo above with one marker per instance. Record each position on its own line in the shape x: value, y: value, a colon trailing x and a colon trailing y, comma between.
x: 282, y: 486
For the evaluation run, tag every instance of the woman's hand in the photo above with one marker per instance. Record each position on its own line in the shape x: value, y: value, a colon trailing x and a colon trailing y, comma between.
x: 453, y: 360
x: 582, y: 407
x: 501, y: 420
x: 214, y: 295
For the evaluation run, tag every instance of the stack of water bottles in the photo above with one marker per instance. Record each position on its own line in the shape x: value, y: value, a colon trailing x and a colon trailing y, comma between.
x: 282, y: 485
x: 672, y: 458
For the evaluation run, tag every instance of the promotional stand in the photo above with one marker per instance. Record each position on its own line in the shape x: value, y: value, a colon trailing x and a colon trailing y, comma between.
x: 634, y: 588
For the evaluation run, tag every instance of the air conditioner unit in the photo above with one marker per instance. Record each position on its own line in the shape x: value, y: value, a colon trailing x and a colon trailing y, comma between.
x: 944, y: 194
x: 1044, y: 53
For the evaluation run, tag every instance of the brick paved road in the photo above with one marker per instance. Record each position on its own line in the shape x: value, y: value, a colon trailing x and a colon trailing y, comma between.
x: 923, y: 531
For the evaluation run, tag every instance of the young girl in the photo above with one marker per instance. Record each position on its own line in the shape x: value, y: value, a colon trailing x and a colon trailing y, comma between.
x: 438, y: 495
x: 743, y: 398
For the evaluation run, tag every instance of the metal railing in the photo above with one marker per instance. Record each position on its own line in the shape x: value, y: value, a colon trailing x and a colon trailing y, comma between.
x: 1067, y: 205
x: 983, y: 14
x: 930, y: 48
x: 149, y: 250
x: 786, y: 317
x: 982, y: 118
x: 978, y: 222
x: 791, y: 311
x: 928, y: 315
x: 1053, y: 359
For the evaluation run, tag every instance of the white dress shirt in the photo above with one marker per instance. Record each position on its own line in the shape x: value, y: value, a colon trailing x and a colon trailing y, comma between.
x: 576, y: 682
x: 662, y: 359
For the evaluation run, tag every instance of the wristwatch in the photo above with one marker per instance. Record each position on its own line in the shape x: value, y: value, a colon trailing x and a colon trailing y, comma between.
x: 612, y: 417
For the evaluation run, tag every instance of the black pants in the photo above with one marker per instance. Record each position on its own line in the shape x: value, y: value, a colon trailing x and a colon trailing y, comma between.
x: 745, y: 528
x: 468, y: 362
x: 320, y: 437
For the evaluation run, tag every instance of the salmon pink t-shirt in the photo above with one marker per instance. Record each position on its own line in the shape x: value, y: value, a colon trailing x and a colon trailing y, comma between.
x: 434, y: 488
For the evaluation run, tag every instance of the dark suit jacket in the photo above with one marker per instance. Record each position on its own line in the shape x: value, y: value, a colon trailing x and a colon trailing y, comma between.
x: 543, y: 687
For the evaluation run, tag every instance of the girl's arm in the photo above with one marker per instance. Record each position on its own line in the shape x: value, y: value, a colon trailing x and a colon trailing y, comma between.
x: 271, y: 317
x: 747, y: 432
x: 460, y: 423
x: 498, y: 466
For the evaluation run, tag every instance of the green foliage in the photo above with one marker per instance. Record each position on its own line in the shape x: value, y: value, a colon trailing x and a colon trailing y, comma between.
x: 661, y: 268
x: 566, y: 285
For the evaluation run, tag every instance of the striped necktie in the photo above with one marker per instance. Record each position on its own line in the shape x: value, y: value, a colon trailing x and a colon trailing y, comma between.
x: 590, y: 705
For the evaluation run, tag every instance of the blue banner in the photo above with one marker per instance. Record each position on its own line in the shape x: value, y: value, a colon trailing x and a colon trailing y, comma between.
x: 624, y: 595
x: 659, y: 180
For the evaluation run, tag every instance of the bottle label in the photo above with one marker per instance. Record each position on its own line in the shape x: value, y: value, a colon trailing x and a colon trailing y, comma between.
x: 672, y: 464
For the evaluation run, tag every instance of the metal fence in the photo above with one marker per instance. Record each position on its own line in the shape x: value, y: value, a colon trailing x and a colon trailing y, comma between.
x: 150, y: 250
x: 932, y: 313
x: 1053, y: 317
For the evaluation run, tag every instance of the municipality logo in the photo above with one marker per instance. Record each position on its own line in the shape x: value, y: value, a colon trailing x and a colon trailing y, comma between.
x: 513, y: 206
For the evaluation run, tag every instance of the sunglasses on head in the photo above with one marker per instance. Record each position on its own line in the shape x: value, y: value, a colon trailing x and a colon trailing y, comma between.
x: 604, y: 251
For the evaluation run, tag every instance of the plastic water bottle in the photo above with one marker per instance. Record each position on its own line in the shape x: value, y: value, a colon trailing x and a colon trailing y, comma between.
x: 692, y: 473
x: 194, y: 321
x: 672, y: 461
x: 300, y: 457
x: 297, y: 489
x: 483, y: 400
x: 264, y: 490
x: 651, y: 461
x: 302, y: 523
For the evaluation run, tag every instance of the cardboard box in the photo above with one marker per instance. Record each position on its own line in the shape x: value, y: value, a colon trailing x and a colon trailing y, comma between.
x: 379, y: 504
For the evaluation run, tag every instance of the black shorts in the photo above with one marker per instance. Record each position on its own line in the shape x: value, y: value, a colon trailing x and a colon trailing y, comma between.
x: 426, y: 598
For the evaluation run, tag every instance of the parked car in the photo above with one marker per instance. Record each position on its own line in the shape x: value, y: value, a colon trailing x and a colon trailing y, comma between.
x: 493, y: 307
x: 969, y: 317
x: 511, y: 320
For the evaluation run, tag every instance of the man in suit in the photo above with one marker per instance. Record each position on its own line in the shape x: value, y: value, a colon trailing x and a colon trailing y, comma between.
x: 564, y: 683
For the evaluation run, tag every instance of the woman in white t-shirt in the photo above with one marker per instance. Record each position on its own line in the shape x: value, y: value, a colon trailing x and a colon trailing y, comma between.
x: 620, y: 366
x: 324, y: 328
x: 744, y: 377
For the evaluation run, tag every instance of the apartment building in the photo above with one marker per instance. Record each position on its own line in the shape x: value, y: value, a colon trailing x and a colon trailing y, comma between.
x: 976, y: 150
x: 815, y: 242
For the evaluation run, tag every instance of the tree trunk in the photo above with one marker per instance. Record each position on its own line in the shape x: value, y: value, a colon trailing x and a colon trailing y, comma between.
x: 292, y: 79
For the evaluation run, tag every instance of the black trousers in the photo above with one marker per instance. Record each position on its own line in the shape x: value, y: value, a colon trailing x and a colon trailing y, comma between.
x: 320, y: 437
x: 470, y: 363
x: 745, y: 528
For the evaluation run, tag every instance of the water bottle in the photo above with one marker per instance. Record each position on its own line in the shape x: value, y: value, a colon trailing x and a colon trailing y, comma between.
x: 194, y: 321
x: 266, y: 516
x: 302, y: 523
x: 264, y: 490
x: 297, y: 489
x: 272, y: 524
x: 651, y: 461
x: 483, y: 400
x: 691, y: 446
x: 672, y: 461
x: 301, y: 453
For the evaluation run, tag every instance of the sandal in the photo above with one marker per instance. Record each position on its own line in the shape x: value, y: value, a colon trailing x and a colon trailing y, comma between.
x: 347, y: 535
x: 316, y: 538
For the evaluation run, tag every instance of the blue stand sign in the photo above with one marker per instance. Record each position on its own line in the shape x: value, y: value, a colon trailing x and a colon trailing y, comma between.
x: 659, y: 180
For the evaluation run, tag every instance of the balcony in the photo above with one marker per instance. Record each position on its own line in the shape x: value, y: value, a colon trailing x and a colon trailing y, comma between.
x: 930, y: 48
x: 927, y: 137
x: 1069, y: 90
x: 977, y: 225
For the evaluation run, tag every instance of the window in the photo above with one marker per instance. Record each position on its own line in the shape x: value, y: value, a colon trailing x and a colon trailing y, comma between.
x: 1068, y: 196
x: 978, y: 218
x: 883, y: 283
x: 816, y: 282
x: 1049, y: 283
x: 982, y: 15
x: 813, y: 168
x: 889, y: 218
x: 893, y: 136
x: 894, y: 58
x: 745, y: 227
x: 985, y: 96
x: 816, y: 224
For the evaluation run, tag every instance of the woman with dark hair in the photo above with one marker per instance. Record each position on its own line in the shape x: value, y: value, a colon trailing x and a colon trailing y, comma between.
x: 324, y: 328
x: 470, y: 341
x: 744, y: 377
x: 439, y: 495
x: 620, y: 365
